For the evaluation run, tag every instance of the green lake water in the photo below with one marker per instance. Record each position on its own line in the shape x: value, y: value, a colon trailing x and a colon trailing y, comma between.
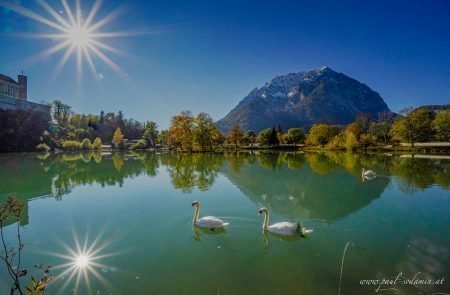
x: 133, y: 214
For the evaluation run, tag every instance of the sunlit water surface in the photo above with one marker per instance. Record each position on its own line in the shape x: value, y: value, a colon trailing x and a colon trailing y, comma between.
x: 132, y: 215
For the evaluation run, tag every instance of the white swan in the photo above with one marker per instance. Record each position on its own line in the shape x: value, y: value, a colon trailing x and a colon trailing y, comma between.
x: 210, y: 222
x: 368, y: 173
x: 283, y: 228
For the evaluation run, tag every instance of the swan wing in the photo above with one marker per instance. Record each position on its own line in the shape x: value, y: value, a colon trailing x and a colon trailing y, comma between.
x: 369, y: 173
x: 283, y: 228
x: 288, y: 229
x: 210, y: 222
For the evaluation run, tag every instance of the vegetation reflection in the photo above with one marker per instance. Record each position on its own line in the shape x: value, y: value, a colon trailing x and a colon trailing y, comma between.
x: 288, y: 182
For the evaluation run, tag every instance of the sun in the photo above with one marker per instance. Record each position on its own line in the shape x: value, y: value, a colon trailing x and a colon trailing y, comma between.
x: 76, y: 34
x: 79, y: 36
x: 82, y: 261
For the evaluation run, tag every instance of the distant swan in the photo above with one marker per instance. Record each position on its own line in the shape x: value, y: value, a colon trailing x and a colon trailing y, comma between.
x: 368, y: 173
x: 283, y: 228
x: 210, y: 222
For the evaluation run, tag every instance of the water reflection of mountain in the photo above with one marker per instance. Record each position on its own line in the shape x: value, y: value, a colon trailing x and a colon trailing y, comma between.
x: 304, y: 185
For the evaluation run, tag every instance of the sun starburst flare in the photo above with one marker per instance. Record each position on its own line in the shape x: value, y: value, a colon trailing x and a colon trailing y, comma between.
x: 75, y: 33
x: 83, y: 262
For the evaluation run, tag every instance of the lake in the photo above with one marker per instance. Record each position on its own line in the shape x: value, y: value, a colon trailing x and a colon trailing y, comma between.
x: 132, y: 214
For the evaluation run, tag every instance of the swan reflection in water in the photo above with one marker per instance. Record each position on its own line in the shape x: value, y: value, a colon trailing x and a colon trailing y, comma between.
x: 199, y: 231
x: 284, y: 238
x: 369, y: 178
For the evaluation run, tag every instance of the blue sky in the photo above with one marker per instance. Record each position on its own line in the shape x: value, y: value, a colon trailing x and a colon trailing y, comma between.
x: 207, y: 55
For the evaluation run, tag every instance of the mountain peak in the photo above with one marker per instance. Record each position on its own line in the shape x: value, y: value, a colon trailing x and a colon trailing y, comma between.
x: 301, y: 99
x: 321, y: 69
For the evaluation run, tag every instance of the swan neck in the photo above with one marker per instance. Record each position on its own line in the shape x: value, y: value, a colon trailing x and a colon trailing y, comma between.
x: 196, y: 213
x: 266, y: 219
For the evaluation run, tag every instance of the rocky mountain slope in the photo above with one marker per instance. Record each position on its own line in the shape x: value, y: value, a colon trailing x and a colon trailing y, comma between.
x: 302, y: 99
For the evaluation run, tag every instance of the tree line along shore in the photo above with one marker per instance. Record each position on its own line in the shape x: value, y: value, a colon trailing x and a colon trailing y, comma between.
x: 412, y: 130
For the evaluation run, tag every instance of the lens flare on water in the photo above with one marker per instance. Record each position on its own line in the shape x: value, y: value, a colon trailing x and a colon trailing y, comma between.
x: 83, y: 263
x: 82, y: 260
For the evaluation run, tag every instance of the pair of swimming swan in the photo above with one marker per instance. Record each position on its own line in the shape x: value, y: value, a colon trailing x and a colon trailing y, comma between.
x: 281, y: 228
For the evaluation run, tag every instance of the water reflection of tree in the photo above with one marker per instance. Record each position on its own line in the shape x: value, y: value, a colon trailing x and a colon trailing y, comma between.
x: 353, y: 163
x: 33, y: 175
x: 117, y: 161
x: 188, y: 171
x: 239, y: 159
x: 70, y: 170
x: 150, y: 161
x: 266, y: 159
x: 321, y: 164
x: 414, y: 173
x: 419, y: 174
x: 293, y: 160
x: 269, y: 161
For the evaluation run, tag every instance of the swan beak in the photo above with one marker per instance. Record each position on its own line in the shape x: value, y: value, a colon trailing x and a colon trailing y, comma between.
x: 259, y: 213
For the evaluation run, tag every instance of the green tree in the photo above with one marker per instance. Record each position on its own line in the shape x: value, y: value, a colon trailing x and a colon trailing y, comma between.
x: 250, y: 137
x: 205, y: 130
x: 120, y: 120
x: 181, y: 131
x: 355, y: 128
x: 414, y: 126
x: 384, y: 125
x: 61, y: 112
x: 97, y: 143
x: 321, y: 134
x: 70, y: 145
x: 151, y: 133
x: 280, y: 129
x: 141, y: 144
x: 363, y: 120
x: 81, y: 133
x: 218, y: 138
x: 86, y: 144
x: 21, y: 130
x: 295, y: 136
x: 236, y: 135
x: 48, y: 140
x: 162, y: 137
x: 441, y: 125
x: 263, y: 136
x: 273, y: 137
x: 351, y: 142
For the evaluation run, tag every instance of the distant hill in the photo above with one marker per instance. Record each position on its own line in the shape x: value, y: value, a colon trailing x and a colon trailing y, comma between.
x: 302, y: 99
